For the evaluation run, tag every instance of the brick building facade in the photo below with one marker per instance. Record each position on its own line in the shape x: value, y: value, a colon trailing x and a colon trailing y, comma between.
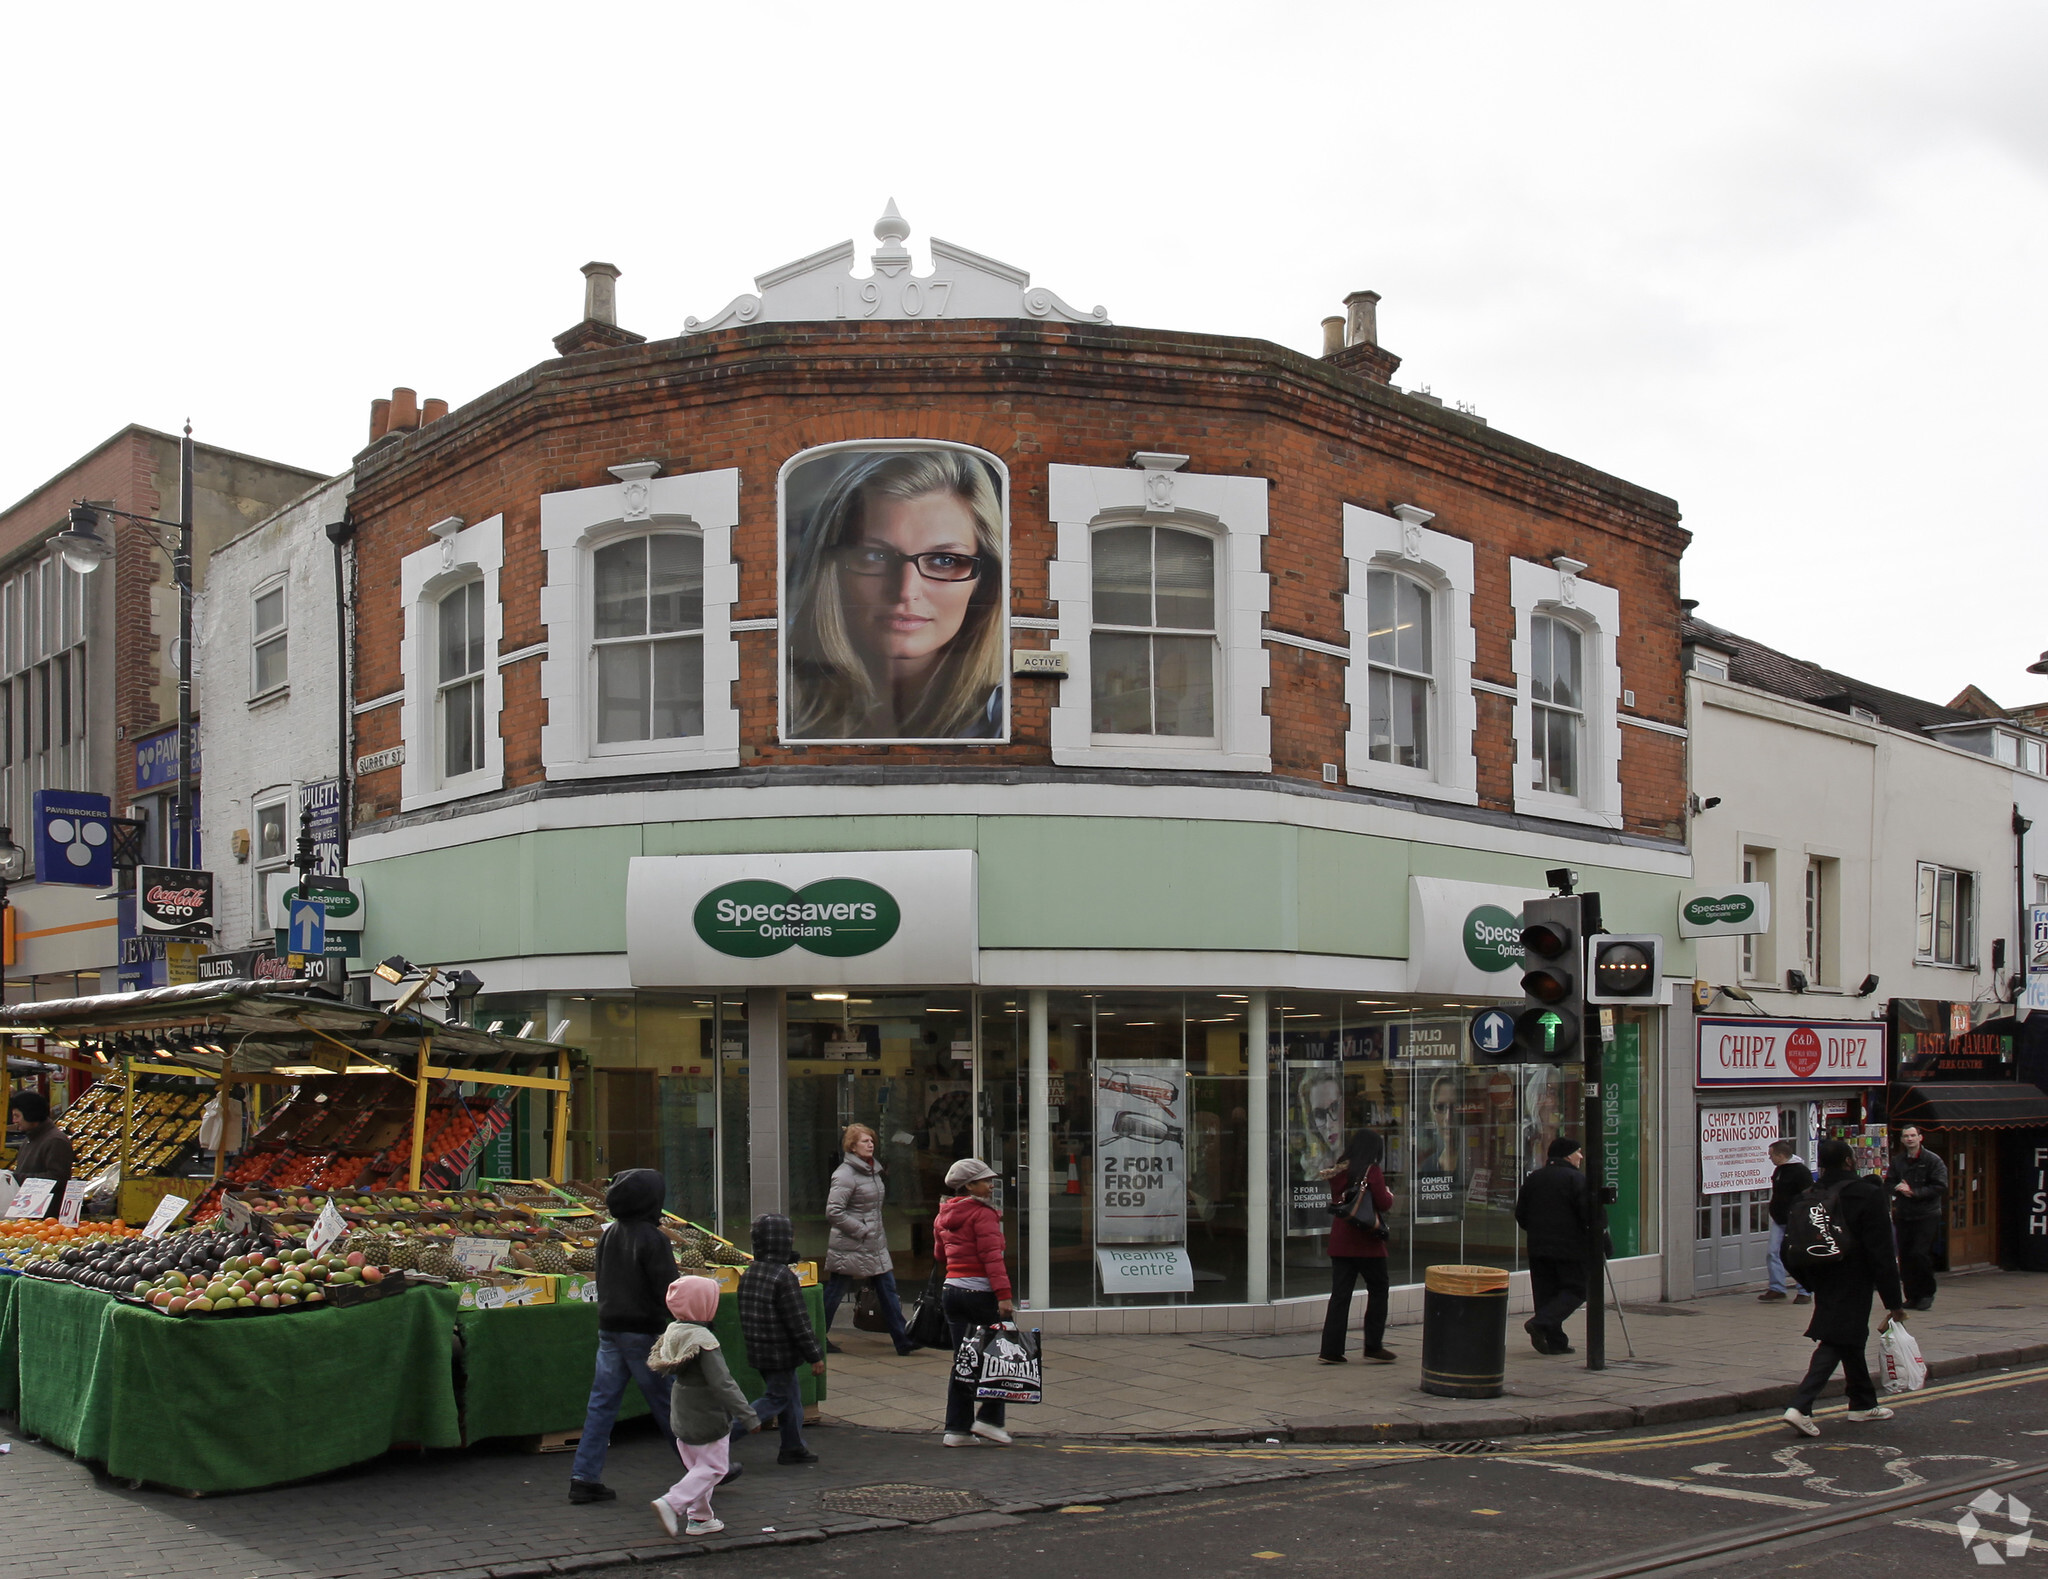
x: 1383, y: 667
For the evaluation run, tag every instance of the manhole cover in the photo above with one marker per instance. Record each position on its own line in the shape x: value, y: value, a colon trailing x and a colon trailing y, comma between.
x: 913, y: 1504
x: 1464, y: 1449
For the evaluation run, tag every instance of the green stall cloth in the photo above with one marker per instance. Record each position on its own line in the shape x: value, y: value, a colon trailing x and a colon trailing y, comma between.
x: 527, y: 1369
x: 233, y: 1404
x: 10, y: 1373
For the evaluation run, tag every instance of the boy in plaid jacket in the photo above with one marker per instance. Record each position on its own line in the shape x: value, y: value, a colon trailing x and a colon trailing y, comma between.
x: 778, y: 1333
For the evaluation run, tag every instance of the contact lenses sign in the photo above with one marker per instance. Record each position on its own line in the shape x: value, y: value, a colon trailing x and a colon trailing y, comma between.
x: 807, y: 918
x: 841, y: 916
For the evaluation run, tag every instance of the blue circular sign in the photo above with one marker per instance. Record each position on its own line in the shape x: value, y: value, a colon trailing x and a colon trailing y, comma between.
x: 1493, y: 1030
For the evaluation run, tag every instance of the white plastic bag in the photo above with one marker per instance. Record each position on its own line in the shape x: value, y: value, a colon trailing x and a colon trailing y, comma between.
x: 1904, y: 1370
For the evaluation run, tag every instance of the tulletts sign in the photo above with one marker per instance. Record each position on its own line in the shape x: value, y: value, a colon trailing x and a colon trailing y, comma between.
x: 1750, y: 1050
x: 1465, y: 937
x: 816, y: 918
x: 1724, y: 910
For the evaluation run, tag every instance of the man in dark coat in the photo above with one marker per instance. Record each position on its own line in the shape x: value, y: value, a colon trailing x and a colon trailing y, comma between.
x: 1918, y: 1180
x: 635, y: 1266
x: 1841, y: 1297
x: 1555, y: 1209
x: 1789, y: 1180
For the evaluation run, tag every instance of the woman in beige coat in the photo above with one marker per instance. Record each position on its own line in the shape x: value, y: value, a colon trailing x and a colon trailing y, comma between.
x: 859, y: 1245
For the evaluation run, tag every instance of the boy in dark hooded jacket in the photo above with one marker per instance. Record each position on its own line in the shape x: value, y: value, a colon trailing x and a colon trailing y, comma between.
x: 635, y: 1267
x: 778, y: 1333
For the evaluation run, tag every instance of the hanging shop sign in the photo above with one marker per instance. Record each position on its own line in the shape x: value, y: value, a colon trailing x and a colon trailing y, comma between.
x: 323, y: 799
x: 174, y: 901
x: 1715, y: 910
x: 156, y: 759
x: 254, y: 964
x: 1140, y: 1152
x: 1465, y: 937
x: 1735, y: 1148
x: 74, y: 842
x: 1315, y: 1140
x: 344, y: 898
x: 2037, y: 958
x: 1755, y: 1050
x: 858, y: 917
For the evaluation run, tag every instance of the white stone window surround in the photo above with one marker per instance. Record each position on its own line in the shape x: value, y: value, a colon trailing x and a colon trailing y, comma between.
x: 576, y: 523
x: 1560, y: 590
x: 1403, y: 543
x: 458, y: 555
x: 1084, y: 499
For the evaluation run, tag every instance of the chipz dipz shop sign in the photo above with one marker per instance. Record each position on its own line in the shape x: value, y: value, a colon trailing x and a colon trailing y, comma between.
x: 1751, y: 1050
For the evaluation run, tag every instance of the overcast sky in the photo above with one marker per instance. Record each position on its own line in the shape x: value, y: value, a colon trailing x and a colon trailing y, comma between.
x: 1783, y: 262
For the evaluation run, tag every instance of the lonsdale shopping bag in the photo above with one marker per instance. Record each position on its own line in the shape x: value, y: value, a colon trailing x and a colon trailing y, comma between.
x: 1010, y: 1366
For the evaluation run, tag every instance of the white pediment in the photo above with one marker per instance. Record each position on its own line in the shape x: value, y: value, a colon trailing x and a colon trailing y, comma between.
x: 962, y: 284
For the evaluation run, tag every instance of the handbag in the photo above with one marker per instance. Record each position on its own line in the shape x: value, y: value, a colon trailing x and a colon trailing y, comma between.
x: 1360, y: 1210
x: 927, y: 1326
x: 868, y: 1315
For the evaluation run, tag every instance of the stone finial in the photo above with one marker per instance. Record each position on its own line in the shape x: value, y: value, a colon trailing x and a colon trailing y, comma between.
x: 891, y: 257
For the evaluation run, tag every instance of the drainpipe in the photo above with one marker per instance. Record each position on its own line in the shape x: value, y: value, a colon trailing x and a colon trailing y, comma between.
x: 2020, y: 826
x: 340, y: 534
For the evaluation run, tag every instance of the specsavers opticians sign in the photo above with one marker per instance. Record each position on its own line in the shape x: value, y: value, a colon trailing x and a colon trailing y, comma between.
x: 1724, y: 910
x: 1465, y: 937
x: 867, y: 917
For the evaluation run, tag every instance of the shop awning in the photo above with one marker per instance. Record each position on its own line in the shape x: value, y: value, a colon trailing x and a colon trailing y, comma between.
x: 1995, y: 1104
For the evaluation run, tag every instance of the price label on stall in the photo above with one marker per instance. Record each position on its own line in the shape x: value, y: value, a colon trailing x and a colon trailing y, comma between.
x: 327, y: 1228
x: 168, y: 1211
x: 234, y: 1216
x: 6, y: 1190
x: 480, y: 1255
x: 73, y: 1202
x: 32, y: 1198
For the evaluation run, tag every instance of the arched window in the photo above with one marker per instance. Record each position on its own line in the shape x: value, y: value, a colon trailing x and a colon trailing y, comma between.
x: 647, y: 629
x: 1153, y: 649
x: 1557, y: 688
x: 1400, y: 650
x: 459, y: 678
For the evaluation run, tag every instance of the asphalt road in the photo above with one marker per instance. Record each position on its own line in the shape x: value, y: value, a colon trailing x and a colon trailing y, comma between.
x: 1742, y: 1498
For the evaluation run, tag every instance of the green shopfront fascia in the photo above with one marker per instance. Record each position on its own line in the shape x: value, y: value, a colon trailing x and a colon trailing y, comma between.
x: 1140, y: 1025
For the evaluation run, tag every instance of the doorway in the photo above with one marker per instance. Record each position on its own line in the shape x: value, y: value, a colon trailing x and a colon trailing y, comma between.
x: 632, y: 1120
x: 1732, y: 1232
x: 1972, y: 1158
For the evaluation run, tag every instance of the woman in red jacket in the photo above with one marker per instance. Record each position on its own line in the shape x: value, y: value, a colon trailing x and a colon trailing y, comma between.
x: 1356, y: 1250
x: 967, y: 1236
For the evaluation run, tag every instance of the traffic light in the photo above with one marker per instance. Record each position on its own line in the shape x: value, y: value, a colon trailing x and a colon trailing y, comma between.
x: 1554, y: 1002
x: 1625, y: 968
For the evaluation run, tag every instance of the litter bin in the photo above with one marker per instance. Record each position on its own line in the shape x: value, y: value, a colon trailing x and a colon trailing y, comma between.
x: 1464, y: 1331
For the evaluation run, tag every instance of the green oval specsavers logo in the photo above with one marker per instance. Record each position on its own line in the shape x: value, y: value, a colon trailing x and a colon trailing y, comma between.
x: 1493, y: 938
x: 1707, y: 911
x: 835, y: 916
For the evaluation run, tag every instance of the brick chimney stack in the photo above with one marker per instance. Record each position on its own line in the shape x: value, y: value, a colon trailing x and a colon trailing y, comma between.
x: 1353, y: 341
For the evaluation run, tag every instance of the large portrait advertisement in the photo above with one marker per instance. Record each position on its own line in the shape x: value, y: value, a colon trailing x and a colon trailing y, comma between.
x: 894, y: 594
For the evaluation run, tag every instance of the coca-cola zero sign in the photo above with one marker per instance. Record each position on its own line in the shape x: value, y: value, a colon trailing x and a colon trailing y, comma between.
x: 172, y: 901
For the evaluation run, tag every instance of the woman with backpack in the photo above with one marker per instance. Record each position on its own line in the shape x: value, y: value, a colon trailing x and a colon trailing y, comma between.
x: 1838, y: 1242
x: 1359, y: 1203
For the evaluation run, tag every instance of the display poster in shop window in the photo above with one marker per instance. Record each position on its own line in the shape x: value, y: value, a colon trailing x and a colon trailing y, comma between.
x: 1436, y: 1109
x: 1140, y: 1152
x: 1315, y: 1141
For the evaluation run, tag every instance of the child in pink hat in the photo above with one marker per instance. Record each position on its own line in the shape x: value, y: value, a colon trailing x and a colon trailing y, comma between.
x: 704, y: 1401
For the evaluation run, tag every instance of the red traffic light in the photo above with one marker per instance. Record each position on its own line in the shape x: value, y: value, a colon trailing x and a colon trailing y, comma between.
x: 1546, y: 939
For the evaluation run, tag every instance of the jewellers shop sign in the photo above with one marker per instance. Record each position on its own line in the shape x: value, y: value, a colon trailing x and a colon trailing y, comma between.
x: 856, y: 917
x: 1466, y: 937
x: 173, y: 902
x: 1753, y: 1050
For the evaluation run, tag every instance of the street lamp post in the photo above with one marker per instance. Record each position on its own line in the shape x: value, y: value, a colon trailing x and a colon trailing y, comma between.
x: 84, y: 550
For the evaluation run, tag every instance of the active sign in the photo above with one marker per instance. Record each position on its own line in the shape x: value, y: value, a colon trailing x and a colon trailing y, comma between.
x: 1755, y: 1050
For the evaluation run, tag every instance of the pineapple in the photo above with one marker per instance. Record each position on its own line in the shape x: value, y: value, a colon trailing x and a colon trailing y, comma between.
x: 435, y: 1261
x: 405, y: 1253
x: 726, y: 1255
x: 551, y: 1258
x: 689, y: 1259
x: 583, y: 1259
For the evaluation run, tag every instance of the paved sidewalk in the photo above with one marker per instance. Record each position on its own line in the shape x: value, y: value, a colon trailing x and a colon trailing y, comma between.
x: 504, y: 1514
x: 1704, y: 1357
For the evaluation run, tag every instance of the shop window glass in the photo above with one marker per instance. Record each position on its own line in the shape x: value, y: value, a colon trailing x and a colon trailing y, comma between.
x: 1153, y: 650
x: 648, y: 629
x: 1400, y: 652
x: 460, y: 626
x: 1557, y: 686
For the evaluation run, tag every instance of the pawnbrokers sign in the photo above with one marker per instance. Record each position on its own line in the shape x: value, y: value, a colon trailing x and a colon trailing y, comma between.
x: 1752, y: 1050
x: 816, y: 918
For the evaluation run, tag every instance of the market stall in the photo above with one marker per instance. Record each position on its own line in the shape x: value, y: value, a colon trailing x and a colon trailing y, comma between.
x: 237, y: 1354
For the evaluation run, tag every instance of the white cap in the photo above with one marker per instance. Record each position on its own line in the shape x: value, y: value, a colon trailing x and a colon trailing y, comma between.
x: 966, y: 1171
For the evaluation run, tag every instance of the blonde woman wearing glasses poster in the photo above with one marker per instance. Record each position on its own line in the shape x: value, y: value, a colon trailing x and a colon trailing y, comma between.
x: 895, y: 567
